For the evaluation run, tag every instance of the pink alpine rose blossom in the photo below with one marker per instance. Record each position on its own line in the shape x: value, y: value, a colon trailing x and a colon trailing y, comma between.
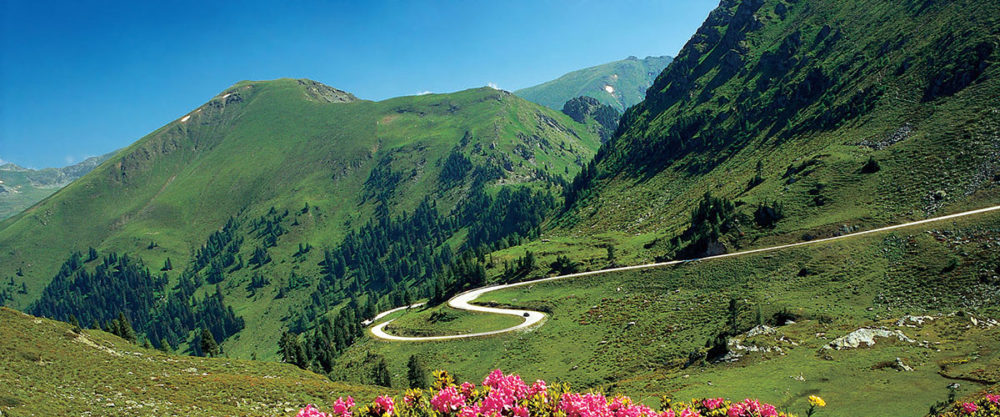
x: 385, y: 405
x: 310, y: 411
x: 690, y: 413
x: 713, y: 403
x: 342, y: 407
x: 447, y: 400
x: 470, y: 411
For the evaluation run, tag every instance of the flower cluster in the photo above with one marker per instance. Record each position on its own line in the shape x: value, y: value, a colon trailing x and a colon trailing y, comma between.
x: 986, y: 406
x: 448, y: 399
x: 383, y: 406
x: 311, y: 411
x: 508, y: 396
x: 341, y: 408
x: 751, y: 408
x: 816, y: 401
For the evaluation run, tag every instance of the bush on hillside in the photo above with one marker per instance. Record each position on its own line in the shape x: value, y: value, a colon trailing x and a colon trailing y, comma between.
x: 710, y: 220
x: 768, y: 214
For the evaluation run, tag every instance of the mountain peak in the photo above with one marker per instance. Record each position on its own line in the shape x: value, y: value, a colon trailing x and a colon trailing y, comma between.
x: 314, y: 90
x: 10, y: 166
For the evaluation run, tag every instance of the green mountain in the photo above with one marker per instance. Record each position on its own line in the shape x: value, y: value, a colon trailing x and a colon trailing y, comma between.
x: 811, y: 107
x: 619, y: 84
x: 778, y: 122
x: 21, y: 188
x: 278, y: 203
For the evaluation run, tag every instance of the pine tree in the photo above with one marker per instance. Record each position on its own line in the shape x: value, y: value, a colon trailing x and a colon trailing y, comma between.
x: 291, y: 350
x: 733, y: 319
x: 381, y: 375
x: 167, y: 265
x: 208, y: 345
x: 164, y: 346
x: 124, y: 328
x: 416, y: 373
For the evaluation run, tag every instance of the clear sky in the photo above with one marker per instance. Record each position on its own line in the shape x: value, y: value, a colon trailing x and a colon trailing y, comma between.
x: 82, y: 78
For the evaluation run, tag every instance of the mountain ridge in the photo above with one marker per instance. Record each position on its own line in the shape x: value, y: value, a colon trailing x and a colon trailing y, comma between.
x: 289, y: 165
x: 21, y: 187
x: 620, y: 84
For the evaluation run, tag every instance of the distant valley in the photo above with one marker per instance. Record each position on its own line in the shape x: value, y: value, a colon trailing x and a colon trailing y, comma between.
x: 21, y: 188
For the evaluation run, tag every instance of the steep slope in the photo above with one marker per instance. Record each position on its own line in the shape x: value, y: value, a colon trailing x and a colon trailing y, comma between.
x: 21, y: 188
x: 656, y: 332
x: 47, y: 368
x: 619, y: 84
x: 288, y: 198
x: 810, y: 117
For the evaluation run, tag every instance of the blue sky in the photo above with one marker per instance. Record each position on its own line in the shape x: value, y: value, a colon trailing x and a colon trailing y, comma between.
x: 79, y: 79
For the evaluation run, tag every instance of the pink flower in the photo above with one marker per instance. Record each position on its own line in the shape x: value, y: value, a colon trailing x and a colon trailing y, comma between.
x: 690, y: 413
x: 342, y: 407
x: 505, y: 391
x: 384, y: 405
x: 470, y: 411
x: 310, y: 411
x: 752, y: 406
x: 993, y: 398
x: 623, y: 407
x: 585, y: 405
x: 538, y: 387
x: 510, y: 384
x: 508, y: 396
x: 713, y: 403
x: 969, y: 408
x: 447, y: 400
x: 493, y: 378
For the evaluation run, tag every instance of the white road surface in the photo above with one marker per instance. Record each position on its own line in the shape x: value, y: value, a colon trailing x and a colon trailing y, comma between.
x: 532, y: 318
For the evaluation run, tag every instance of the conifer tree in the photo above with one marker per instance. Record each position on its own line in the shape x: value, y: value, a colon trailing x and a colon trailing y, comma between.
x: 164, y: 346
x: 415, y: 372
x: 124, y: 328
x: 381, y: 375
x: 208, y: 345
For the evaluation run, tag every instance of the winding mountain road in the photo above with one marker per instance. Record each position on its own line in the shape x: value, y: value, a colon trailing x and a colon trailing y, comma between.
x: 531, y: 318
